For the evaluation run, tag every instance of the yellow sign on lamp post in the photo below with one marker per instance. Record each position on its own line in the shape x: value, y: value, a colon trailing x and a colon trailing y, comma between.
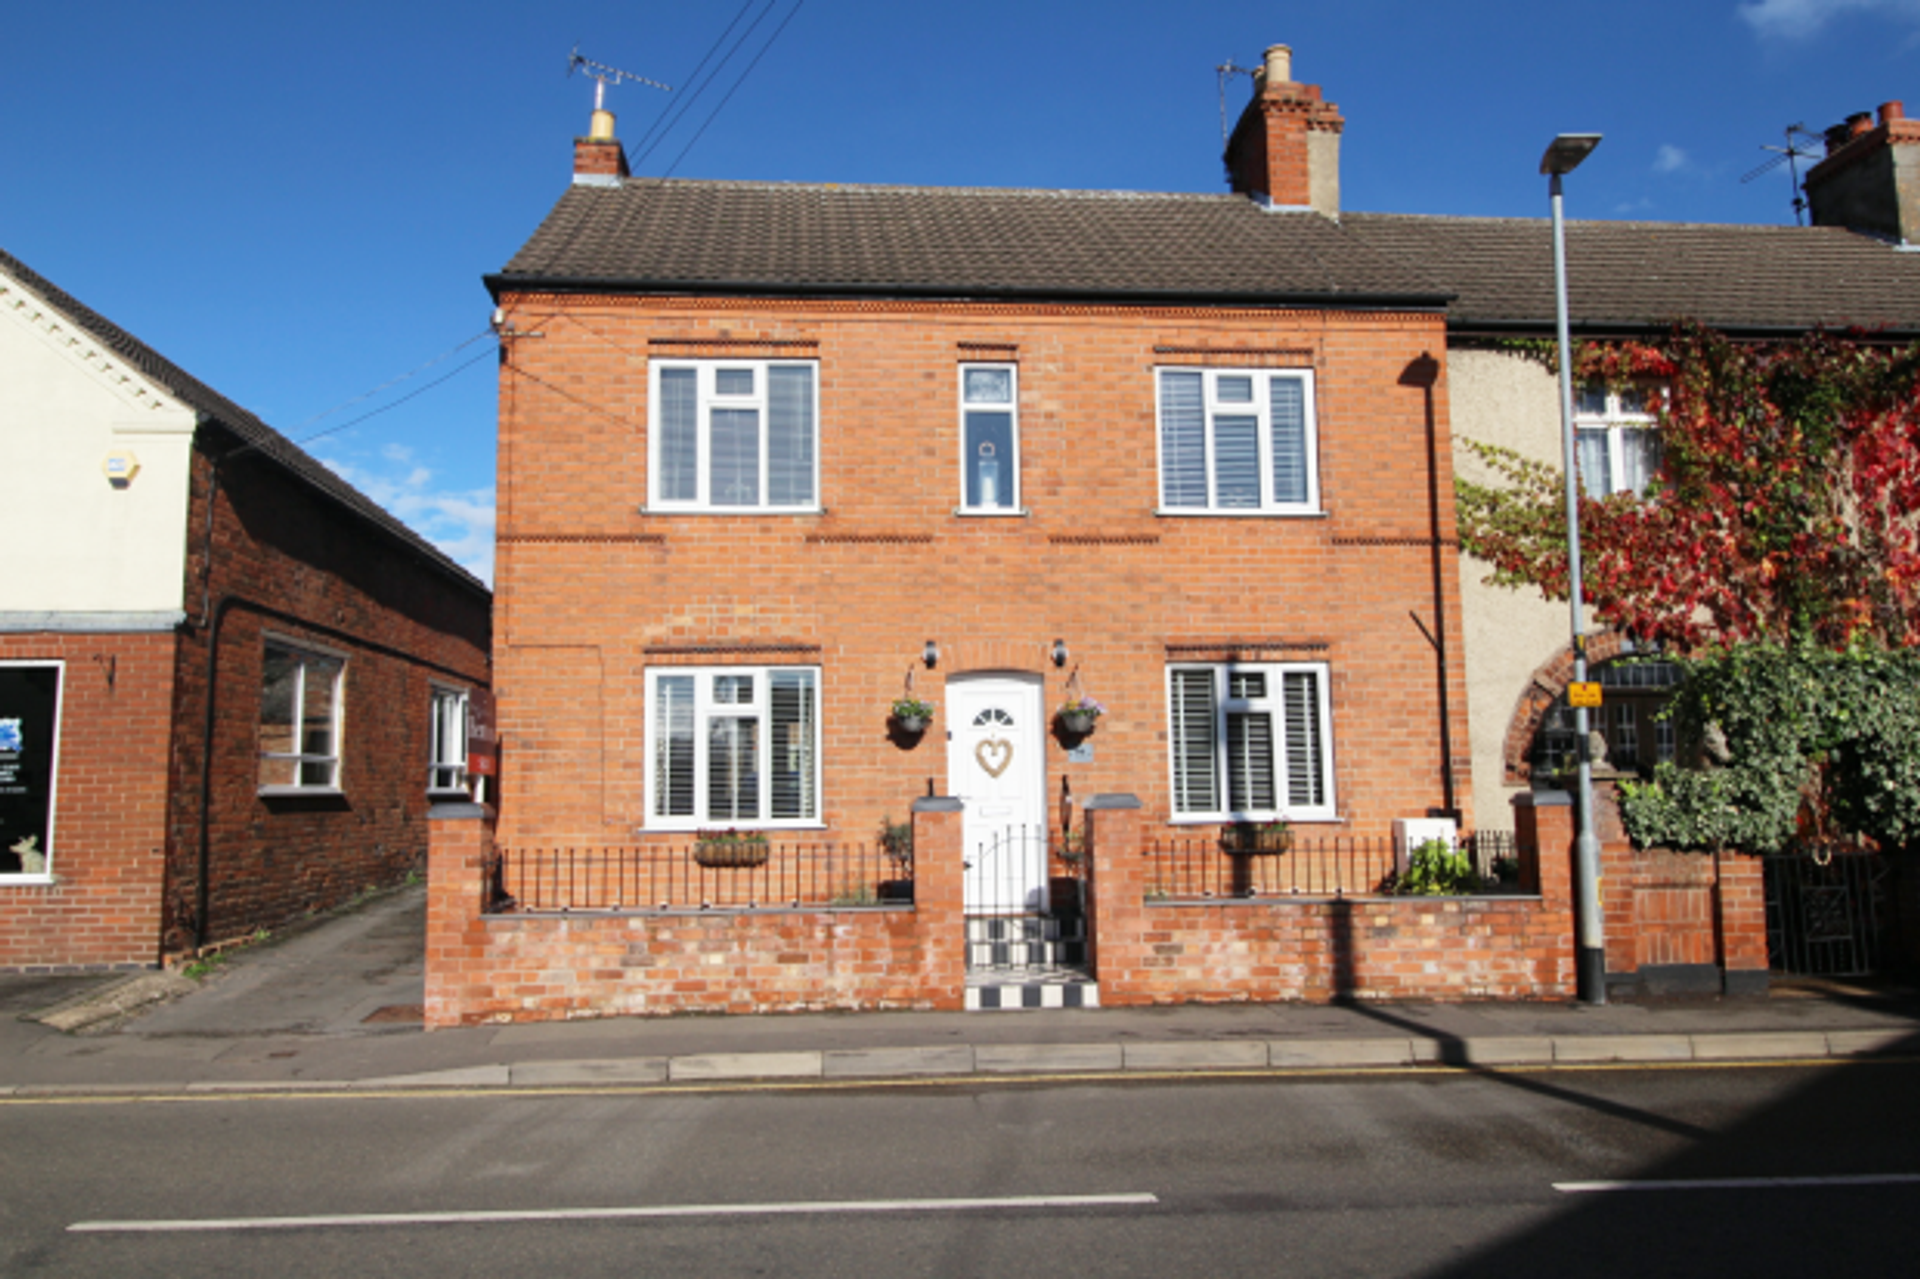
x: 1585, y: 693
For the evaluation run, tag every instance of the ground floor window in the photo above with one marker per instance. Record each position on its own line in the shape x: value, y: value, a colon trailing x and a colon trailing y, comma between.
x: 29, y: 767
x: 447, y: 760
x: 733, y: 746
x: 300, y: 718
x: 1250, y: 741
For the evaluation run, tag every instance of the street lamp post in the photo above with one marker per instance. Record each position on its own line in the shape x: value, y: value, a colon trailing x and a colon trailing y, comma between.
x: 1590, y: 955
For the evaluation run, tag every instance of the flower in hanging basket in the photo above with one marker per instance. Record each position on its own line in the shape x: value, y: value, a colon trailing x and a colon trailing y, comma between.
x: 731, y: 848
x: 1078, y: 714
x: 912, y: 714
x: 1259, y: 839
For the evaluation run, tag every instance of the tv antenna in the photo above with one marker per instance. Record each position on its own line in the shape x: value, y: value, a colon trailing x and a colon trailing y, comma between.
x: 1800, y: 143
x: 603, y: 75
x: 1227, y: 70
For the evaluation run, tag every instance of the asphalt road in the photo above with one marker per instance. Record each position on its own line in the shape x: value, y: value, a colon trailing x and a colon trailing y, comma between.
x: 1750, y: 1172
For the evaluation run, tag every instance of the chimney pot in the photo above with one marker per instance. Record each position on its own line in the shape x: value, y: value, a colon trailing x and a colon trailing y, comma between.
x: 600, y: 128
x: 1891, y: 111
x: 1279, y: 64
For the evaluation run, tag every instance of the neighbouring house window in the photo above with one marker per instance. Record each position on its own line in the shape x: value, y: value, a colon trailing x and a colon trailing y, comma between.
x: 1616, y: 437
x: 733, y: 745
x: 1250, y: 741
x: 1633, y: 695
x: 1237, y: 441
x: 989, y: 439
x: 29, y: 768
x: 734, y: 435
x: 300, y: 718
x: 447, y: 765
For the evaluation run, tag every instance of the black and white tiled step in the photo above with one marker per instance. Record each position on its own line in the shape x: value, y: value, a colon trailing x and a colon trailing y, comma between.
x: 1010, y: 992
x: 1025, y: 941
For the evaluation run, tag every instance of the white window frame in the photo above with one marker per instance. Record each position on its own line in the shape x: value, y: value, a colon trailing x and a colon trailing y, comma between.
x: 706, y: 708
x: 304, y: 759
x: 709, y: 398
x: 447, y: 759
x: 1010, y: 465
x: 46, y: 876
x: 1227, y: 807
x: 1614, y: 419
x: 1214, y: 409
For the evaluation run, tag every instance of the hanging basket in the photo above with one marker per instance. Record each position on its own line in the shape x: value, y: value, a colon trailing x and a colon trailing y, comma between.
x: 911, y: 725
x: 1078, y: 723
x: 731, y: 854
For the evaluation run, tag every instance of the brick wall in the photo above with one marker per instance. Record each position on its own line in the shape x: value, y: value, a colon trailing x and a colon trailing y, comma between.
x: 286, y: 563
x: 103, y: 908
x: 592, y: 591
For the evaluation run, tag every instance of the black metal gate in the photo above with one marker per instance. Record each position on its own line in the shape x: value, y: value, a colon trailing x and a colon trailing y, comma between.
x: 1026, y: 904
x: 1830, y: 912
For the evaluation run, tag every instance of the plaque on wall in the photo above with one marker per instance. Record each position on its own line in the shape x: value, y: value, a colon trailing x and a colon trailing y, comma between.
x: 29, y: 726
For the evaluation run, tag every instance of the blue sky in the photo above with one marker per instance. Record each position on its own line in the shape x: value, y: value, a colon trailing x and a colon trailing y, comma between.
x: 297, y: 203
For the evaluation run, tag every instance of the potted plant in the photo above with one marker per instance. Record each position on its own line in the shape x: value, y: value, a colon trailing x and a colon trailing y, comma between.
x: 1260, y: 839
x: 1077, y: 715
x: 910, y: 714
x: 731, y: 849
x: 1071, y: 847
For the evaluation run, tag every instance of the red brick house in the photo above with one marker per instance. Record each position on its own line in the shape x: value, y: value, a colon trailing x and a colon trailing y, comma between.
x: 775, y: 455
x: 230, y: 684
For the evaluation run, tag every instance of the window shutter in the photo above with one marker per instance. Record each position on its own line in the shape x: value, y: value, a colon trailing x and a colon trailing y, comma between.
x: 1306, y: 781
x: 673, y: 746
x: 679, y: 478
x: 1183, y: 440
x: 790, y: 435
x: 1236, y: 462
x: 792, y: 702
x: 1288, y: 404
x: 1191, y: 721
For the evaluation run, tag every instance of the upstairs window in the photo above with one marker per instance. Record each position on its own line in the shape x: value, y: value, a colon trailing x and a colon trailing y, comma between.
x: 734, y: 435
x: 1237, y: 441
x: 447, y: 765
x: 1250, y: 741
x: 300, y: 718
x: 1618, y: 445
x: 733, y: 746
x: 989, y: 439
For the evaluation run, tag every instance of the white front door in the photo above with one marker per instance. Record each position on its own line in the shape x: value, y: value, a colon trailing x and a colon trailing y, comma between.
x: 996, y: 763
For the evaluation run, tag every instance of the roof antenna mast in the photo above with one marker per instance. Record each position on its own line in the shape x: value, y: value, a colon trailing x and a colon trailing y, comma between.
x: 1801, y: 142
x: 603, y: 75
x: 1227, y: 70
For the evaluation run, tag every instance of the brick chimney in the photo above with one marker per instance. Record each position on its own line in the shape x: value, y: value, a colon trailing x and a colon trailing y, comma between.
x: 1287, y: 144
x: 598, y: 158
x: 1870, y: 180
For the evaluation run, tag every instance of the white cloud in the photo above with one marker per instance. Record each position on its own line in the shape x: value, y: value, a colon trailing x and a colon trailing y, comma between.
x: 459, y: 522
x: 1669, y: 159
x: 1799, y: 19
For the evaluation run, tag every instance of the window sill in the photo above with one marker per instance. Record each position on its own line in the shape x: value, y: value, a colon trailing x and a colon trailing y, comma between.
x: 299, y: 792
x: 1231, y: 819
x: 724, y: 825
x: 992, y: 513
x: 26, y: 881
x: 455, y: 794
x: 1262, y: 513
x: 732, y: 510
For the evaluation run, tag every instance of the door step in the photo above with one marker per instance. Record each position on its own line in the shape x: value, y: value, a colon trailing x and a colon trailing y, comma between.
x: 1012, y: 943
x: 1014, y: 992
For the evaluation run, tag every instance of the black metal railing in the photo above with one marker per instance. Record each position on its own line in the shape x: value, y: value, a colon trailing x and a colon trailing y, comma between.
x: 1212, y: 865
x: 1829, y: 912
x: 740, y: 876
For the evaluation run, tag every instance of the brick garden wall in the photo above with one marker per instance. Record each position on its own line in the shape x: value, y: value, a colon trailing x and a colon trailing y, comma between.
x: 103, y: 908
x: 285, y: 562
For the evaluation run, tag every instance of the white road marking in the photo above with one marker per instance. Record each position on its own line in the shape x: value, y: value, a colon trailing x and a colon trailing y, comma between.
x: 614, y: 1214
x: 1738, y: 1183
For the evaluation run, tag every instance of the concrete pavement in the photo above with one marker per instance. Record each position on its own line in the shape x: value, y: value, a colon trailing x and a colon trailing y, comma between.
x: 336, y: 1005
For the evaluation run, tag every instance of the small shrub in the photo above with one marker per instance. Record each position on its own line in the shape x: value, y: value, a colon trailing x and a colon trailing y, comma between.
x: 1436, y: 868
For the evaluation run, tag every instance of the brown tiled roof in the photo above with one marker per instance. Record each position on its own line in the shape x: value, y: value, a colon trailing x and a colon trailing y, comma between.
x: 659, y: 235
x: 250, y: 430
x: 1630, y: 275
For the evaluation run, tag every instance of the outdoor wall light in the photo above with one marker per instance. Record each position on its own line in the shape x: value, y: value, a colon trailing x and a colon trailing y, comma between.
x: 930, y: 654
x: 1059, y: 653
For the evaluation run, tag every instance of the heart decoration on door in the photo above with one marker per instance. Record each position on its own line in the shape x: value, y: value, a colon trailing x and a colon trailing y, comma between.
x: 994, y: 754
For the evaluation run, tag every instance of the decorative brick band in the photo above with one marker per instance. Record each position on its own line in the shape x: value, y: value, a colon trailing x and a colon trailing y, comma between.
x: 871, y: 539
x: 1104, y: 539
x: 574, y: 539
x: 971, y: 347
x: 1207, y: 648
x: 736, y: 342
x: 741, y: 647
x: 1428, y: 542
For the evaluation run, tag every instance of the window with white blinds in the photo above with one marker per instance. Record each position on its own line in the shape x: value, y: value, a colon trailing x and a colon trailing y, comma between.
x: 1237, y: 441
x: 447, y: 744
x: 732, y: 435
x: 732, y: 746
x: 1249, y: 741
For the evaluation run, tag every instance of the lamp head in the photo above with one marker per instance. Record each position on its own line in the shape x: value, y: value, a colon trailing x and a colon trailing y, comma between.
x: 1565, y: 152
